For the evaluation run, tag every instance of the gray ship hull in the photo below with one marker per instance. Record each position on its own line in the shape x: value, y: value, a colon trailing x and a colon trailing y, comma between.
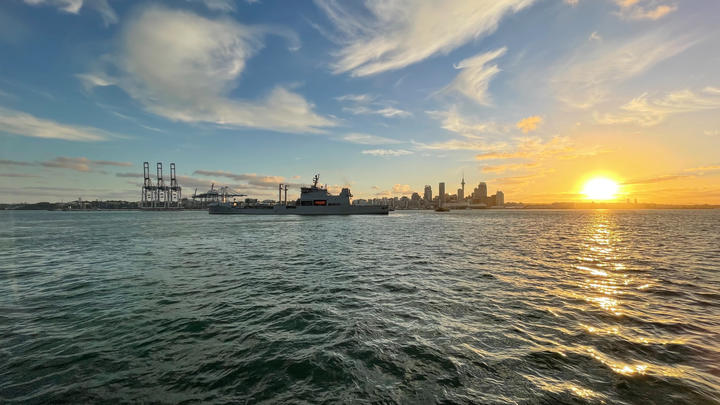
x: 225, y: 209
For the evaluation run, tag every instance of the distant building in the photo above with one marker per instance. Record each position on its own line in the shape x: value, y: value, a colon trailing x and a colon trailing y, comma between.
x: 428, y: 194
x: 480, y: 194
x: 499, y: 198
x: 460, y: 194
x: 441, y: 195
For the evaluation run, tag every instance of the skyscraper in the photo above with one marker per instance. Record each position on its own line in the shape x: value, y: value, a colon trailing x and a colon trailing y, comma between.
x: 482, y: 192
x: 441, y: 195
x: 499, y: 198
x: 428, y: 194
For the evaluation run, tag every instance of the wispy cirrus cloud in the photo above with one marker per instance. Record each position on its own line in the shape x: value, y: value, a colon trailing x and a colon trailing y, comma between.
x: 19, y: 175
x: 387, y: 152
x: 393, y: 34
x: 23, y: 124
x: 367, y: 139
x: 700, y: 171
x: 508, y: 167
x: 647, y: 111
x: 590, y: 74
x: 451, y: 120
x: 557, y: 147
x: 74, y: 6
x: 459, y: 144
x: 367, y: 104
x: 188, y: 76
x: 81, y: 164
x: 475, y: 75
x: 218, y: 5
x: 644, y: 9
x: 4, y: 162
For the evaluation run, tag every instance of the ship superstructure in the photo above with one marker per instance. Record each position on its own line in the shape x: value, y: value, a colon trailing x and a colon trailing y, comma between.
x: 314, y: 200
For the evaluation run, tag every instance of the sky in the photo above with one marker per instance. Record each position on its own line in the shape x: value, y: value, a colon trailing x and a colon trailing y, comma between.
x: 533, y: 97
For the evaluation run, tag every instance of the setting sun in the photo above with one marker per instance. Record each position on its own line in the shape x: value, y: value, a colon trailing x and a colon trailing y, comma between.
x: 600, y: 188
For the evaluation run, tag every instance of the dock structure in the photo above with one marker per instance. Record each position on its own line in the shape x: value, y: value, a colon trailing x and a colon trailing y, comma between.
x: 214, y: 196
x: 158, y: 196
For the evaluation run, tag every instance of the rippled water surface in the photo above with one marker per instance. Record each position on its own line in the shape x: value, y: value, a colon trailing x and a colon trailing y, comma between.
x: 417, y: 307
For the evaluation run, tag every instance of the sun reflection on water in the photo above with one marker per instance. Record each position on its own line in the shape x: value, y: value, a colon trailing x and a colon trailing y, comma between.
x: 601, y: 264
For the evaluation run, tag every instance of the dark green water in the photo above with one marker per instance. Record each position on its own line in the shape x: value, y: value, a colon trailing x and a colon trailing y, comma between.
x: 418, y: 307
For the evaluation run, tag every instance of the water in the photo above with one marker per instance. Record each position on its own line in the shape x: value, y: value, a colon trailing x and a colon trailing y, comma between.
x: 418, y: 307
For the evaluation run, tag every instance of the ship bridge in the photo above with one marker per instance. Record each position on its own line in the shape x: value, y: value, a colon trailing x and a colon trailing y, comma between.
x: 315, y: 195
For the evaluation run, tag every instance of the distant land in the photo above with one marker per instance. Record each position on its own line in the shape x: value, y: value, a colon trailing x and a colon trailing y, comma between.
x: 189, y: 205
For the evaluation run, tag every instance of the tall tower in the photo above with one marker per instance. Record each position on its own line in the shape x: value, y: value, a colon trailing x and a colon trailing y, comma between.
x: 461, y: 192
x: 441, y: 196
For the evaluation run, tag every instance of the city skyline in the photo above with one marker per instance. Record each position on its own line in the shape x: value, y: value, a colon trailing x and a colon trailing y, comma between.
x: 536, y: 98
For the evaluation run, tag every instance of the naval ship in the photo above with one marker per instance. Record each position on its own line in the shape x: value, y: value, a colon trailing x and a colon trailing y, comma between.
x: 314, y: 200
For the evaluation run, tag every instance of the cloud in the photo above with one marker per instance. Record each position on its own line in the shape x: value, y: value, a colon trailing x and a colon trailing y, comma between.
x: 396, y: 191
x: 647, y: 111
x: 218, y: 5
x: 474, y: 133
x: 474, y: 78
x: 74, y: 6
x: 557, y: 147
x: 14, y: 163
x: 402, y: 189
x: 18, y: 175
x: 387, y: 152
x: 367, y: 139
x: 20, y: 123
x: 367, y: 104
x: 387, y: 112
x: 529, y: 124
x: 524, y: 179
x: 653, y: 180
x: 393, y: 34
x: 188, y: 76
x: 357, y: 98
x: 704, y: 169
x: 130, y: 175
x: 81, y: 164
x: 643, y: 9
x: 588, y: 76
x: 457, y: 144
x: 594, y: 36
x: 249, y: 178
x: 453, y: 121
x: 509, y: 167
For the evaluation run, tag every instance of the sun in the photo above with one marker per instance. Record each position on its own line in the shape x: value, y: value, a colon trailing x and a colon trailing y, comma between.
x: 600, y: 188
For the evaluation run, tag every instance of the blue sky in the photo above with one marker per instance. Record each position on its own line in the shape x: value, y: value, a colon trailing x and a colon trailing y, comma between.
x: 532, y: 97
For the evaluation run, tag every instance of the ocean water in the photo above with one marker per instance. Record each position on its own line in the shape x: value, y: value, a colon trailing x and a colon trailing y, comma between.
x: 616, y: 307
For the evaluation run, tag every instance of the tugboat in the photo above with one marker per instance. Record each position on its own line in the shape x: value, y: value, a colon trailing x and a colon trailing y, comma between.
x: 314, y: 200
